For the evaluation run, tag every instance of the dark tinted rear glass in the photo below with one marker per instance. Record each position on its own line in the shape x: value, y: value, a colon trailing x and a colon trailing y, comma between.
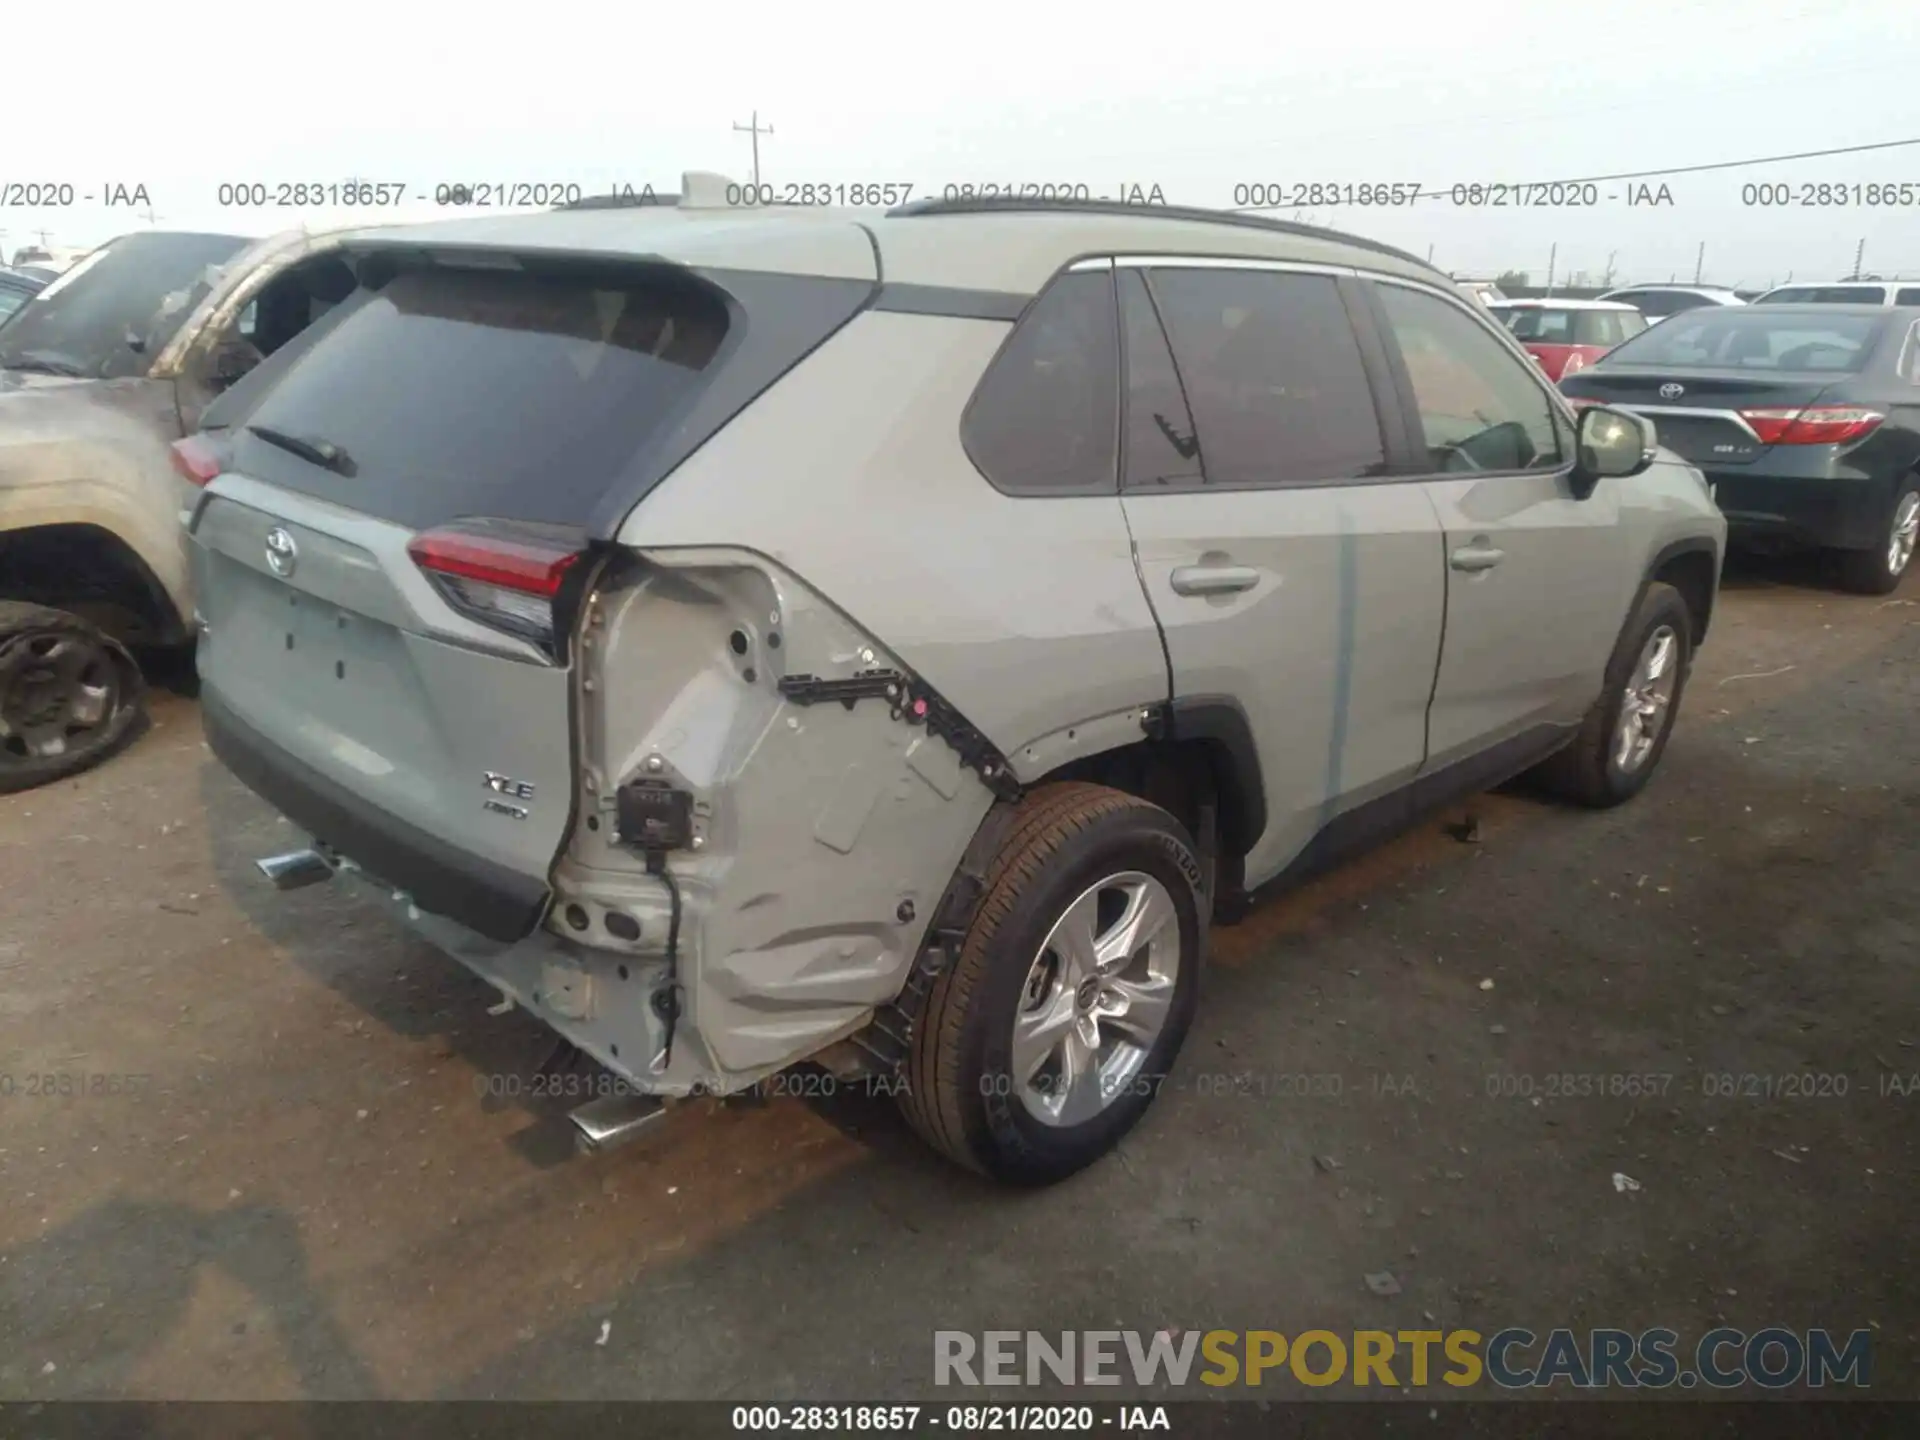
x: 143, y: 285
x: 1273, y: 375
x: 1908, y: 296
x: 1045, y: 419
x: 468, y: 392
x: 1753, y: 337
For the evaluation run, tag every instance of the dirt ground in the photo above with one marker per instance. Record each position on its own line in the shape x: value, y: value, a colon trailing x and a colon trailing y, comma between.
x: 300, y: 1191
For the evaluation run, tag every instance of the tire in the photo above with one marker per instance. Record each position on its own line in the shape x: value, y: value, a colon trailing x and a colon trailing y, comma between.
x: 1879, y: 571
x: 1074, y: 852
x: 1591, y: 771
x: 50, y: 659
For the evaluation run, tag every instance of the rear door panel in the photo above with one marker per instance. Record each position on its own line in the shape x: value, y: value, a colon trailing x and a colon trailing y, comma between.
x: 1330, y: 642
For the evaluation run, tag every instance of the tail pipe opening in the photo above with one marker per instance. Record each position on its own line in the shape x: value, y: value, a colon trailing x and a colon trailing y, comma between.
x: 295, y: 869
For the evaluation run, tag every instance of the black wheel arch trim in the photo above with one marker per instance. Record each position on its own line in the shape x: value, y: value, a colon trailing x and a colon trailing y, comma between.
x: 1691, y: 545
x: 1220, y: 722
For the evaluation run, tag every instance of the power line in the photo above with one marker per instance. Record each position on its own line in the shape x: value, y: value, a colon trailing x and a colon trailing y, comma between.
x: 1672, y: 170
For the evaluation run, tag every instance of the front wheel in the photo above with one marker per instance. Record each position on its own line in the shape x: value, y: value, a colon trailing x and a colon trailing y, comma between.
x: 69, y: 696
x: 1051, y: 1034
x: 1616, y: 750
x: 1879, y: 571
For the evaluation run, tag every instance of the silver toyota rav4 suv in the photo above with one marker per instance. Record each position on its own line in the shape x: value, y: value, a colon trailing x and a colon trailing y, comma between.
x: 887, y: 641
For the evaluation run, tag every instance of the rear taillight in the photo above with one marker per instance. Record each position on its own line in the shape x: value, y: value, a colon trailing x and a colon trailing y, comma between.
x: 198, y: 458
x: 502, y: 574
x: 1814, y: 425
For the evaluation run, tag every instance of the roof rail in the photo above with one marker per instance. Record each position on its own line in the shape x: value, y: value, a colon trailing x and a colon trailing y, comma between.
x: 1015, y: 204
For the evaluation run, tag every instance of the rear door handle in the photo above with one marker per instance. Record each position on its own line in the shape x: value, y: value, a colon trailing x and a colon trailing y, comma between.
x: 1213, y: 579
x: 1477, y: 556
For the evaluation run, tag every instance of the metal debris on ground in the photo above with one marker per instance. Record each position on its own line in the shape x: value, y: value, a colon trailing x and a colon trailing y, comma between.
x: 1624, y: 1183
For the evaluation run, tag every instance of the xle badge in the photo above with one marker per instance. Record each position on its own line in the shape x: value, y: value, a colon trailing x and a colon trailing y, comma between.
x: 508, y: 786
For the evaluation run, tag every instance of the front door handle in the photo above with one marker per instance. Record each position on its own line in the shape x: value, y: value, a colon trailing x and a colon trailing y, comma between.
x: 1477, y: 556
x: 1213, y: 579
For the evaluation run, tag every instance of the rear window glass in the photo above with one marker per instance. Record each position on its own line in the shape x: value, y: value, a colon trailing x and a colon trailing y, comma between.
x: 468, y: 392
x: 1908, y: 297
x: 1546, y: 327
x: 1827, y: 295
x: 1755, y: 338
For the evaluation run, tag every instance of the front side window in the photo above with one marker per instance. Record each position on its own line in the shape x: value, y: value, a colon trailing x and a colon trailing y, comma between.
x: 1045, y: 419
x: 1273, y: 375
x: 1479, y: 407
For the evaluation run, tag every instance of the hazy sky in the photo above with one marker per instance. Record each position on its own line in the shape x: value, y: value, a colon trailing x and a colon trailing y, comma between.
x: 1196, y: 97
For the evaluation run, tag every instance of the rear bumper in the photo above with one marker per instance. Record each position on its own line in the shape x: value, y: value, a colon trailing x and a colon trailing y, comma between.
x: 438, y: 877
x: 1841, y: 513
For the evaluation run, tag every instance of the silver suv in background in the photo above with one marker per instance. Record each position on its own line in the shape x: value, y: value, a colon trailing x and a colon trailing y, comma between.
x: 752, y: 638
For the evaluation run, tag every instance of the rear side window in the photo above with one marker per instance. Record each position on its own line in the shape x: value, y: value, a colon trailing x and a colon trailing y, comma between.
x: 1273, y: 376
x: 1479, y: 406
x: 1046, y: 417
x: 1162, y: 446
x: 1907, y: 297
x: 470, y: 392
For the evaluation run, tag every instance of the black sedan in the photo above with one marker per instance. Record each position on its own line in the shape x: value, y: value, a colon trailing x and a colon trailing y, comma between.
x: 1804, y: 418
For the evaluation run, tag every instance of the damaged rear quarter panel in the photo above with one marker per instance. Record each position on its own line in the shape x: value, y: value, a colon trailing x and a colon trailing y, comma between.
x: 826, y: 833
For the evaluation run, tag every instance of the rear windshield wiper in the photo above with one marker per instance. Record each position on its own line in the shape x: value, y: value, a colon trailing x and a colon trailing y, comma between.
x: 323, y: 453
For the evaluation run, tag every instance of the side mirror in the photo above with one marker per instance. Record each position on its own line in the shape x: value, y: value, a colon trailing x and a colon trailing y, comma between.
x: 1610, y: 444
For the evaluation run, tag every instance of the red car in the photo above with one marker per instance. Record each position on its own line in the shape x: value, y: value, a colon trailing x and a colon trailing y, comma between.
x: 1566, y: 336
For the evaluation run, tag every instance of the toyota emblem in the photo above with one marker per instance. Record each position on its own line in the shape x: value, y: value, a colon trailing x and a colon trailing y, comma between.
x: 282, y: 553
x: 1671, y: 391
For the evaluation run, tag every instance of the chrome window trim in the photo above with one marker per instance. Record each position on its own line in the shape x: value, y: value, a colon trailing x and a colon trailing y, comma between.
x: 1229, y: 262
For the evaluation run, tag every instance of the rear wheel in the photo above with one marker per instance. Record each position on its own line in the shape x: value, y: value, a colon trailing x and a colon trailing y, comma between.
x: 1049, y: 1037
x: 69, y: 697
x: 1625, y: 734
x: 1879, y: 571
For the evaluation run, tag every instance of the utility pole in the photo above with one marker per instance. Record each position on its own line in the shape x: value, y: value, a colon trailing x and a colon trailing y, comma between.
x: 1553, y: 257
x: 1607, y: 279
x: 1429, y: 254
x: 756, y: 130
x: 1859, y: 257
x: 1700, y: 263
x: 45, y: 236
x: 148, y: 215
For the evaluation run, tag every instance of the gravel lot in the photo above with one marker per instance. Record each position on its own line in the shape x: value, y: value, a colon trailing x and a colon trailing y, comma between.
x: 308, y: 1197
